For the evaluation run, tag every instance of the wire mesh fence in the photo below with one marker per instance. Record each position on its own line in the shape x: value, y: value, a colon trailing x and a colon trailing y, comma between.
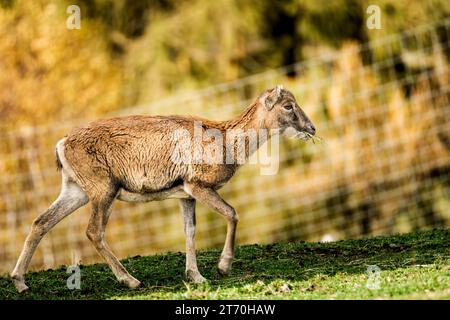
x: 383, y: 112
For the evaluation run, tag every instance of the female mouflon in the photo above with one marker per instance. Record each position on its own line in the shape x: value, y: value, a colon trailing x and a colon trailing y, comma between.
x: 131, y: 159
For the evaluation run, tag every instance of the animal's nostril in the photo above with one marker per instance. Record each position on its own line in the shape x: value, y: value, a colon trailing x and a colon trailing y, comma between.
x: 311, y: 129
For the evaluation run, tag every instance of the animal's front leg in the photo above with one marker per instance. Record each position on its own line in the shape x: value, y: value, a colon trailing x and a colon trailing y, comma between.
x: 212, y: 199
x: 188, y: 211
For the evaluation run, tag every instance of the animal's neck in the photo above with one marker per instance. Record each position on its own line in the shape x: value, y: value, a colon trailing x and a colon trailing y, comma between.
x: 246, y: 120
x: 246, y: 129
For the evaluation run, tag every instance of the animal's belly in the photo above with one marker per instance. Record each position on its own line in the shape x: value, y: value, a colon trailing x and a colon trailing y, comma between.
x: 149, y: 179
x: 172, y: 193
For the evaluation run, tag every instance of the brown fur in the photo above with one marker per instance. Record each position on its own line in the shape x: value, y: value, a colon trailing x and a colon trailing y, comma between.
x: 129, y: 158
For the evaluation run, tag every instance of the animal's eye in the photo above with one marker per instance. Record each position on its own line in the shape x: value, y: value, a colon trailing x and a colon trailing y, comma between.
x: 287, y: 107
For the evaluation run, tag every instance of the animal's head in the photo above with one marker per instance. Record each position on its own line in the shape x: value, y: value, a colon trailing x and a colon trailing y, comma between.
x: 281, y: 111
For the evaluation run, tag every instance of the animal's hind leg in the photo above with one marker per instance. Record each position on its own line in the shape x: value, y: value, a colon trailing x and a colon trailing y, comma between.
x: 101, y: 209
x: 71, y: 198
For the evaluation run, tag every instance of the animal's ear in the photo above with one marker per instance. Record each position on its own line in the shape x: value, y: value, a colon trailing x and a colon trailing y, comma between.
x: 271, y: 98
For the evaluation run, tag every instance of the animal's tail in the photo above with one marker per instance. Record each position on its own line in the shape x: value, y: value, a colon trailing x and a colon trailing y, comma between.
x: 58, y: 161
x: 59, y: 145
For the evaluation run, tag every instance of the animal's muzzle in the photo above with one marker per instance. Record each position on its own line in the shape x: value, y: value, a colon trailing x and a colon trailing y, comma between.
x: 310, y: 129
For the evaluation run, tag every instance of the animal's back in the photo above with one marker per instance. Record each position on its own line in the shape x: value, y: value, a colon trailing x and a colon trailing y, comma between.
x: 133, y: 151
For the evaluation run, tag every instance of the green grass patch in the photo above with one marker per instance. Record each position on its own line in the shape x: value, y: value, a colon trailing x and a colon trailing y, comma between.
x: 411, y: 266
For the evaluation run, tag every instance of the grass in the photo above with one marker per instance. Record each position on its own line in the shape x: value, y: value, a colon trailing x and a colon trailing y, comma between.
x: 412, y: 266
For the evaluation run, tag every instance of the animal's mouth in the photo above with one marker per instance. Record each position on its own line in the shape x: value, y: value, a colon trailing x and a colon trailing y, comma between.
x: 303, y: 135
x: 306, y: 136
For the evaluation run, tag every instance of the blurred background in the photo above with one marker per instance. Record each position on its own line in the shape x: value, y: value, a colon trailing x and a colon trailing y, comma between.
x: 378, y: 97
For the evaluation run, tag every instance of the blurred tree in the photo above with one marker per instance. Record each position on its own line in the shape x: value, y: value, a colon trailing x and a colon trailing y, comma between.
x: 49, y: 72
x: 133, y: 52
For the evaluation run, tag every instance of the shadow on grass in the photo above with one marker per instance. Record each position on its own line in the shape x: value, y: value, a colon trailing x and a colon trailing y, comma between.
x: 163, y: 275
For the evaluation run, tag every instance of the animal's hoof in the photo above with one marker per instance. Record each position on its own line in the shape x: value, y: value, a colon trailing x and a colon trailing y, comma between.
x: 20, y: 285
x: 223, y: 272
x: 131, y: 282
x: 224, y: 269
x: 224, y: 266
x: 195, y: 276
